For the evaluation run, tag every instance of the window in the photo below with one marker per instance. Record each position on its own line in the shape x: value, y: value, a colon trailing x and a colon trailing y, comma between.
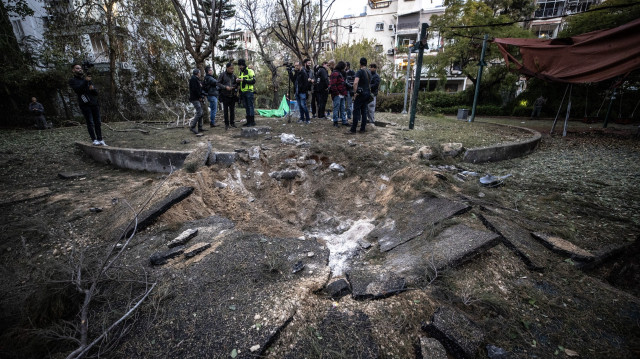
x: 406, y: 42
x: 17, y: 29
x: 378, y: 48
x: 350, y: 28
x: 391, y: 27
x: 380, y: 26
x: 98, y: 45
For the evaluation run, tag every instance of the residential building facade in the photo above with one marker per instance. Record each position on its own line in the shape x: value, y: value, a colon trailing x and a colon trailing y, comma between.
x: 548, y: 19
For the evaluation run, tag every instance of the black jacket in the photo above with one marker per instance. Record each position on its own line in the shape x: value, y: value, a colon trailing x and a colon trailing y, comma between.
x: 300, y: 80
x: 80, y: 86
x: 226, y: 79
x: 195, y: 88
x: 375, y: 84
x: 350, y: 75
x: 210, y: 86
x: 322, y: 80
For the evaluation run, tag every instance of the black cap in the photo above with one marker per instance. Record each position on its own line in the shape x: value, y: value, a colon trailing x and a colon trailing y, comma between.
x: 196, y: 71
x: 241, y: 62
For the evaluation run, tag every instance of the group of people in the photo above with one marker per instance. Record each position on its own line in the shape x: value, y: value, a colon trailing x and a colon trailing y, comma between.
x: 224, y: 89
x: 352, y: 93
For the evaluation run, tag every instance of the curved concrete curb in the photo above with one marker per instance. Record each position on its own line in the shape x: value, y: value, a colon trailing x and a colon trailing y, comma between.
x: 136, y: 159
x: 504, y: 151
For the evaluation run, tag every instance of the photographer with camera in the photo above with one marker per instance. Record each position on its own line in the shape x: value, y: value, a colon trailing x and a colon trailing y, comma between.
x: 301, y: 81
x: 88, y: 100
x: 362, y: 96
x: 227, y: 84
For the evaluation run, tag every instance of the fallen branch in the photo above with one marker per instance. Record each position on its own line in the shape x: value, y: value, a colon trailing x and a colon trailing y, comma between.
x: 127, y: 130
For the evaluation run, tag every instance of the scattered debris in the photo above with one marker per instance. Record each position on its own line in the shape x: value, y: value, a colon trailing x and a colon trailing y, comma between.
x: 95, y: 209
x: 336, y: 168
x: 493, y: 181
x: 183, y: 238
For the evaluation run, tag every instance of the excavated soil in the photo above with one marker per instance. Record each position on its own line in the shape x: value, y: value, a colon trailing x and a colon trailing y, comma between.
x: 241, y: 292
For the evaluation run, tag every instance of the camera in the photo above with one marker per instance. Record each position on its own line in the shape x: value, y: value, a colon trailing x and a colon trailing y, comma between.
x: 288, y: 65
x: 87, y: 65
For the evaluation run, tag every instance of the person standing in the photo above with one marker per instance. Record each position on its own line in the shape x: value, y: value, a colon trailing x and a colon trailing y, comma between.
x: 537, y: 107
x: 88, y: 101
x: 246, y: 80
x: 307, y: 68
x: 349, y: 78
x: 37, y: 111
x: 196, y: 99
x: 314, y: 93
x: 322, y: 84
x: 228, y: 87
x: 210, y: 87
x: 338, y: 94
x: 375, y: 85
x: 300, y: 79
x: 362, y: 92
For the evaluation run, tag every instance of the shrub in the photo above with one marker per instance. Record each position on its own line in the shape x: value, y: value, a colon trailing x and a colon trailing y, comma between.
x: 389, y: 103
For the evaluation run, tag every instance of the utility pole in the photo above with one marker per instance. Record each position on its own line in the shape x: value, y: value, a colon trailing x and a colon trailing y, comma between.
x: 416, y: 87
x: 479, y: 79
x: 406, y: 83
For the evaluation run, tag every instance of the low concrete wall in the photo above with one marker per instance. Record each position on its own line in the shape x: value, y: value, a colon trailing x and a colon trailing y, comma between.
x: 135, y: 159
x: 504, y: 151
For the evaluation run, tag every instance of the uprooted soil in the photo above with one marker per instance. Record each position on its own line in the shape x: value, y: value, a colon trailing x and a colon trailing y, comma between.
x: 581, y: 188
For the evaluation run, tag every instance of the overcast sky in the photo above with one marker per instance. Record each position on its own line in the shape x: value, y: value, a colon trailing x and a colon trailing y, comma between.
x: 344, y: 7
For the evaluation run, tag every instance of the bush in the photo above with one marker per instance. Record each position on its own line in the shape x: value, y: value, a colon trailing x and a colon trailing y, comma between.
x: 389, y: 103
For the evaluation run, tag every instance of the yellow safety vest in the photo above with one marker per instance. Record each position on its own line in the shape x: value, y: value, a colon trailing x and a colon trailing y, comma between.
x: 249, y: 75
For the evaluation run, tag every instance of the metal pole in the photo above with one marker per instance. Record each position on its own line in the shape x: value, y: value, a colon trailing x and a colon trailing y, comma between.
x: 559, y: 108
x: 566, y: 118
x: 478, y: 81
x: 406, y: 83
x: 416, y: 86
x: 606, y: 118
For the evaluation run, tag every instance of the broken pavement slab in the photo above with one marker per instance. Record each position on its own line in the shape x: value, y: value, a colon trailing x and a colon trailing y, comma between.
x: 183, y: 238
x: 155, y: 210
x: 460, y: 336
x: 368, y: 284
x: 432, y: 349
x: 249, y: 132
x: 518, y: 240
x: 409, y: 220
x: 339, y: 335
x: 72, y: 175
x: 198, y: 157
x: 451, y: 248
x: 160, y: 258
x: 563, y: 247
x: 338, y: 288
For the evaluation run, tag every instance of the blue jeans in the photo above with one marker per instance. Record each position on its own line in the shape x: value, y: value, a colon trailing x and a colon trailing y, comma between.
x: 349, y: 104
x: 213, y: 108
x: 247, y: 98
x: 338, y: 109
x: 301, y: 98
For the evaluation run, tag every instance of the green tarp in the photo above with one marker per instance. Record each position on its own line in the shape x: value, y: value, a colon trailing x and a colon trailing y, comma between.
x: 280, y: 112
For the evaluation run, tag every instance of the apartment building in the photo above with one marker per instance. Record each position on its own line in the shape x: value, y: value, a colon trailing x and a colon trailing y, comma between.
x: 394, y: 25
x: 548, y: 19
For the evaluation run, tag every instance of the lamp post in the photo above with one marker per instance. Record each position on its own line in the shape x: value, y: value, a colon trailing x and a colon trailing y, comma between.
x: 477, y: 92
x: 406, y: 82
x: 416, y: 87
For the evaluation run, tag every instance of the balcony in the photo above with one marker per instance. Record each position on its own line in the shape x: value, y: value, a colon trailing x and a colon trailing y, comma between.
x: 379, y: 4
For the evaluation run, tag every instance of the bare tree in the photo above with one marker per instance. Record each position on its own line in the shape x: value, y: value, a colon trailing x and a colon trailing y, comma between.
x: 200, y: 25
x: 253, y: 15
x: 299, y: 26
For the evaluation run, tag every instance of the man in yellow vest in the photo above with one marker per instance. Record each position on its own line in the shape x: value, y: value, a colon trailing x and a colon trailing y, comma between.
x: 246, y: 80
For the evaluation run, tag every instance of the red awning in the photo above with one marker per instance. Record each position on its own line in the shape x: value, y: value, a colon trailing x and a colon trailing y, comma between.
x: 590, y: 57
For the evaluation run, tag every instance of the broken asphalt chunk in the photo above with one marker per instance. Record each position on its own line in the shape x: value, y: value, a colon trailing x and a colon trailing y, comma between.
x: 460, y: 336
